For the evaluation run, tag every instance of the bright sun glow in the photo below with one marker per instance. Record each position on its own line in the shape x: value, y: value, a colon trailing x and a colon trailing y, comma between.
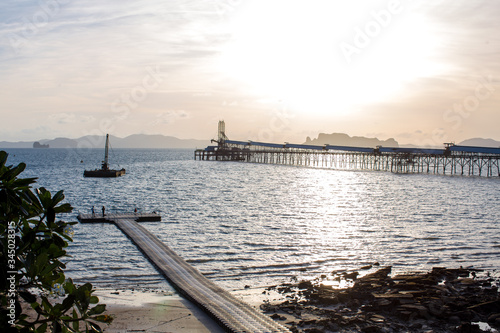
x: 292, y: 51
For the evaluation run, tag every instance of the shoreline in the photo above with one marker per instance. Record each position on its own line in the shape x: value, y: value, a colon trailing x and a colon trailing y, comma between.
x: 153, y: 311
x: 441, y: 300
x: 371, y: 299
x: 307, y: 305
x: 150, y: 310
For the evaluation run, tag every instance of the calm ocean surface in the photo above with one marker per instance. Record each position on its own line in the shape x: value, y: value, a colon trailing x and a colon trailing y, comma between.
x: 249, y: 224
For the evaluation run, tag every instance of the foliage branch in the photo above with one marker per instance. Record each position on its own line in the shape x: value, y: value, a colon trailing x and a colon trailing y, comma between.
x: 32, y: 248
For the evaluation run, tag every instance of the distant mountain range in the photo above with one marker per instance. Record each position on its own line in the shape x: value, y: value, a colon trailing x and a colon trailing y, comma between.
x: 162, y: 141
x: 341, y: 139
x: 132, y: 141
x: 478, y: 142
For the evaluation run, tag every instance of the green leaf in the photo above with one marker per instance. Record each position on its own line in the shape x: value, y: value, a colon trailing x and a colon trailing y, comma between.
x: 94, y: 327
x: 58, y: 197
x: 46, y: 304
x: 69, y: 287
x: 27, y: 296
x: 98, y: 309
x: 68, y: 302
x: 56, y: 327
x: 76, y: 324
x: 42, y: 328
x: 3, y: 158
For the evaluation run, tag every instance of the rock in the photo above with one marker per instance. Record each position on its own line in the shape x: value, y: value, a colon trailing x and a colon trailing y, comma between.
x: 487, y: 307
x: 278, y: 317
x: 304, y: 285
x: 377, y: 318
x: 371, y: 329
x: 333, y: 327
x: 442, y: 300
x: 414, y: 308
x: 404, y: 314
x: 392, y: 296
x: 493, y: 317
x: 454, y: 320
x: 351, y: 276
x: 313, y: 330
x: 416, y: 326
x: 469, y: 328
x: 465, y: 315
x: 436, y: 307
x: 465, y: 281
x: 384, y: 302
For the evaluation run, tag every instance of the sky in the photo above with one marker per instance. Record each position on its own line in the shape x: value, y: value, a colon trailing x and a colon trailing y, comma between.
x: 421, y: 72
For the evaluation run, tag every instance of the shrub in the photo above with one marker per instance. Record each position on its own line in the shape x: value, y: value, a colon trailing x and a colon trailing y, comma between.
x: 32, y: 248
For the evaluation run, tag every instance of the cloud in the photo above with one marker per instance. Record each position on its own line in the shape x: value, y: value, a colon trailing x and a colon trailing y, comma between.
x: 70, y: 118
x: 169, y: 117
x: 83, y: 56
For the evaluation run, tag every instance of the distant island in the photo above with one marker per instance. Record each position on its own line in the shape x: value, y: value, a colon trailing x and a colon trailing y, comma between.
x: 341, y: 139
x: 97, y: 141
x: 37, y: 144
x: 479, y: 142
x: 161, y: 141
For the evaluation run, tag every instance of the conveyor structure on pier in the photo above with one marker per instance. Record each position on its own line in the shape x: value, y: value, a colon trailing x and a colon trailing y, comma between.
x: 451, y: 160
x: 228, y: 311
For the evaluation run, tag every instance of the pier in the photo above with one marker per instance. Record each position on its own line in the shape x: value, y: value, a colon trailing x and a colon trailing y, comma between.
x: 450, y: 160
x: 228, y: 311
x: 110, y: 218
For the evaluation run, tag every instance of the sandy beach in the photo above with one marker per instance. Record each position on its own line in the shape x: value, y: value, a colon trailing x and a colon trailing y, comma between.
x: 157, y: 310
x: 153, y: 311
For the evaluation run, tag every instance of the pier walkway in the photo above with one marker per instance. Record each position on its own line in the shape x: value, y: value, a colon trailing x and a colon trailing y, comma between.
x: 228, y: 311
x: 451, y: 160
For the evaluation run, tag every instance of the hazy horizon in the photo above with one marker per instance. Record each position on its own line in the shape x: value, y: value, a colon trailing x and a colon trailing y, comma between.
x: 273, y: 70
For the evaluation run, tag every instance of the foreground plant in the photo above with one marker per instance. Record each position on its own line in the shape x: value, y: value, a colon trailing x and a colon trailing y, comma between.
x: 32, y: 246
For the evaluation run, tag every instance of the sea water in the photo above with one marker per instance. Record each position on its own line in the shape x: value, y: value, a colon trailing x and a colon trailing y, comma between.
x: 252, y: 224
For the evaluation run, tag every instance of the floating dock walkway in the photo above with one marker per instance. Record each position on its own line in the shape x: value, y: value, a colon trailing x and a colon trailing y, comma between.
x: 109, y: 218
x: 451, y: 160
x: 229, y: 312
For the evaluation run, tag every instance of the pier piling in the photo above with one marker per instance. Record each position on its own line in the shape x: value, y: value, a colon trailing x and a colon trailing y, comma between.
x: 451, y: 160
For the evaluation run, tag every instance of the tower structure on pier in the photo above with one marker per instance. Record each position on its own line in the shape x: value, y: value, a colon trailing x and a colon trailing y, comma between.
x: 221, y: 133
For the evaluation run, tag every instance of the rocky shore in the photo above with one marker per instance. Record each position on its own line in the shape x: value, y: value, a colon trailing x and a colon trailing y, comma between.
x: 442, y: 300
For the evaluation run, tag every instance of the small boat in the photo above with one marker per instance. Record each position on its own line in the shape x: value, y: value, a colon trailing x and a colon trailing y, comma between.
x: 104, y: 171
